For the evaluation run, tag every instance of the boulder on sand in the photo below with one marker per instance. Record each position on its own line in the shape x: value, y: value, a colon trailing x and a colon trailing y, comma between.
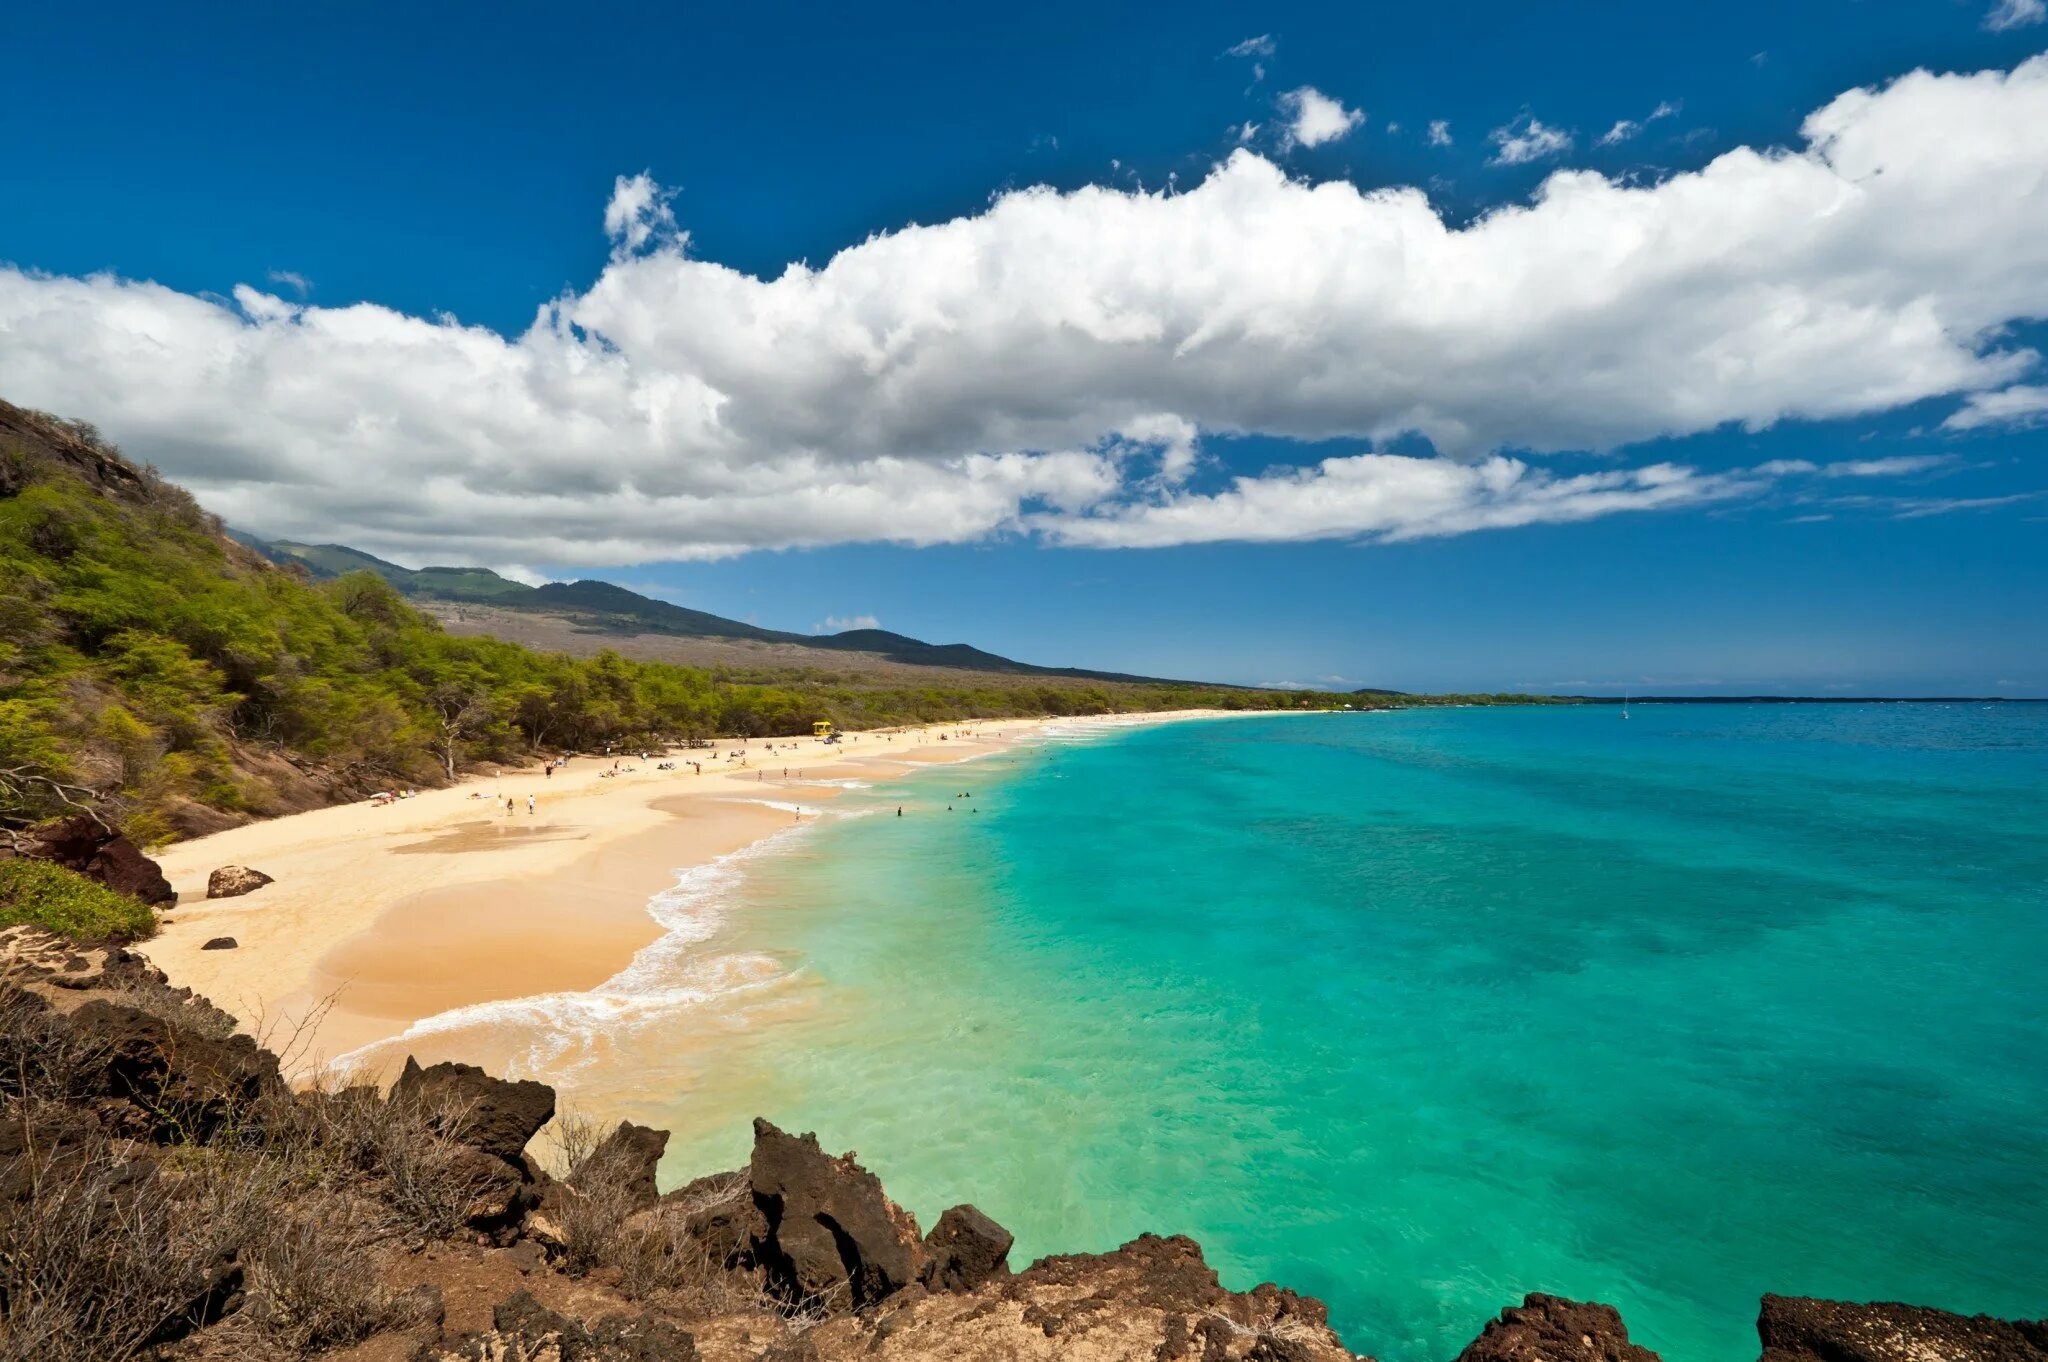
x: 831, y: 1235
x: 233, y: 881
x: 220, y: 943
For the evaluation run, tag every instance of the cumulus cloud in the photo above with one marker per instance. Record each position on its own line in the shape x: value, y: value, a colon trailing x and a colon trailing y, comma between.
x: 1439, y: 132
x: 1050, y: 364
x: 1314, y: 118
x: 2022, y: 404
x: 2015, y: 14
x: 1527, y: 139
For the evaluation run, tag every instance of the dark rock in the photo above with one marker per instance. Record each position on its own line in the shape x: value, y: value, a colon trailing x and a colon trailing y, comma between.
x: 490, y: 1114
x: 232, y: 881
x: 625, y: 1158
x: 965, y: 1249
x: 1552, y: 1329
x: 98, y: 852
x: 191, y: 1083
x: 220, y: 943
x: 521, y: 1327
x: 831, y: 1237
x: 1799, y: 1329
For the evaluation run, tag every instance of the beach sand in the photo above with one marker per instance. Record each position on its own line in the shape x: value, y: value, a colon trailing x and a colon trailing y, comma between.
x: 380, y: 917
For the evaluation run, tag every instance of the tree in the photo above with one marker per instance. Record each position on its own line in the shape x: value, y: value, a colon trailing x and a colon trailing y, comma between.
x: 463, y: 710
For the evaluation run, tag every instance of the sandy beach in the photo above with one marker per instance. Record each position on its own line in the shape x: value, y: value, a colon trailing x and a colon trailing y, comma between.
x: 380, y: 916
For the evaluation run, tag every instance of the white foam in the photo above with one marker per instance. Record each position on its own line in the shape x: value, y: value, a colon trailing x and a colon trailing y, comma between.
x: 664, y: 977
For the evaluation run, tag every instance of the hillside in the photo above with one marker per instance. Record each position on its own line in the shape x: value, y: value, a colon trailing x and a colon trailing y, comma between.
x: 167, y: 677
x: 603, y: 613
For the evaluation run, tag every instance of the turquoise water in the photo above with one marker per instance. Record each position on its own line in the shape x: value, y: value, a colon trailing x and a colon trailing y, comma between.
x: 1420, y: 1011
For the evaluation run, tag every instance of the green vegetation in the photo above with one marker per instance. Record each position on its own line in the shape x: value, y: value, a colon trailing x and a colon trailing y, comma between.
x: 155, y: 669
x: 45, y: 895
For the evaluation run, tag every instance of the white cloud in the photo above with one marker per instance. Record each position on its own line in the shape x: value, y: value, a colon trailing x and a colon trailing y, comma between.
x: 1261, y: 46
x: 2020, y: 405
x: 1390, y: 497
x: 293, y: 280
x: 640, y: 216
x: 2015, y: 14
x: 1047, y: 364
x: 1527, y: 139
x: 1897, y: 466
x: 1626, y: 128
x: 1314, y: 118
x: 839, y: 624
x: 1439, y: 132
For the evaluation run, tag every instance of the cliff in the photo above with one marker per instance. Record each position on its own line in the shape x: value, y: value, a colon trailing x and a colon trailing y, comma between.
x: 162, y: 1194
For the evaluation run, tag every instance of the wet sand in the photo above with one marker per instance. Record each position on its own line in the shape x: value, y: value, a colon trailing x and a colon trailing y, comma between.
x: 383, y: 916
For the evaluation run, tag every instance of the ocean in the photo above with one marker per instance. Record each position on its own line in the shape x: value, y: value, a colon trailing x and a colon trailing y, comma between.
x: 1419, y: 1011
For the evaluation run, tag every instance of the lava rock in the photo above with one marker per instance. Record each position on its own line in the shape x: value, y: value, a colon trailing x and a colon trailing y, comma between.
x: 1552, y: 1329
x: 831, y: 1236
x: 1800, y: 1329
x: 232, y: 881
x: 220, y: 943
x: 965, y: 1249
x: 627, y: 1156
x: 99, y: 852
x: 490, y: 1114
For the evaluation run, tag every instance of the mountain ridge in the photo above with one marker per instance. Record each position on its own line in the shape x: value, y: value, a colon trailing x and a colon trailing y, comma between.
x: 608, y: 608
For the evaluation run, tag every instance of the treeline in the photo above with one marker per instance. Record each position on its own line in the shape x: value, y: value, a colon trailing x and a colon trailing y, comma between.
x: 154, y: 670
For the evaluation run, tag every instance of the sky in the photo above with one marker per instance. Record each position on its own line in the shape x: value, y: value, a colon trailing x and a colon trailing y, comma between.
x: 1581, y: 347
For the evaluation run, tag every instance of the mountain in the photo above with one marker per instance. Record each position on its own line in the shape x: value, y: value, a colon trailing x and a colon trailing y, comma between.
x: 602, y: 608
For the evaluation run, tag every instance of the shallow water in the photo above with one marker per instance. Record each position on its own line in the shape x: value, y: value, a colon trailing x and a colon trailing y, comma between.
x: 1421, y: 1011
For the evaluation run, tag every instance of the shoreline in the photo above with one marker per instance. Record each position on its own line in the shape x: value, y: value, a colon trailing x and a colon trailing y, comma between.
x: 381, y: 918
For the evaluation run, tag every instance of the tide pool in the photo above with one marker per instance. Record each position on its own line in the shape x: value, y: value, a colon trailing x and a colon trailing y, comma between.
x: 1420, y: 1011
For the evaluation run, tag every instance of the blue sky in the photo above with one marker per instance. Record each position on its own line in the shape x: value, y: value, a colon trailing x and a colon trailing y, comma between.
x: 1848, y: 516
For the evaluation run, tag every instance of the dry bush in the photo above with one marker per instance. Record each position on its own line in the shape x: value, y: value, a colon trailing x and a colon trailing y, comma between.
x: 42, y: 1057
x: 315, y: 1282
x: 106, y: 1255
x: 591, y: 1206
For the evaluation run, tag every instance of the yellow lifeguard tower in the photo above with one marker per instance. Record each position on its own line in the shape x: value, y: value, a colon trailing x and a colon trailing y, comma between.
x: 821, y: 728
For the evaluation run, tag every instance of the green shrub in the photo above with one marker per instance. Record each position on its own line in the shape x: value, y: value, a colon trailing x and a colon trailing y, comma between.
x: 45, y: 895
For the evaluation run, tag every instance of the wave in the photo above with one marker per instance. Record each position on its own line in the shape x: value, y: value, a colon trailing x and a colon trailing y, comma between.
x: 664, y: 977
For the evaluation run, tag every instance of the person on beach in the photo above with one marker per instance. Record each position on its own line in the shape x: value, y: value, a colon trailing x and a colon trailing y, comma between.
x: 529, y: 806
x: 508, y: 803
x: 899, y: 810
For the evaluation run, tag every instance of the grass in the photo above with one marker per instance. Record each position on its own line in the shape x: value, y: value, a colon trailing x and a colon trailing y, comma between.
x: 45, y: 895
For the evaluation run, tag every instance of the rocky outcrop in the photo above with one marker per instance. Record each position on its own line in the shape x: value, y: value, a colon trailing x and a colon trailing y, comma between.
x: 493, y: 1115
x: 964, y: 1250
x: 831, y: 1237
x: 1153, y: 1300
x: 232, y: 881
x: 625, y: 1160
x: 1552, y: 1329
x: 99, y: 852
x: 220, y: 943
x: 1798, y: 1329
x: 523, y: 1328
